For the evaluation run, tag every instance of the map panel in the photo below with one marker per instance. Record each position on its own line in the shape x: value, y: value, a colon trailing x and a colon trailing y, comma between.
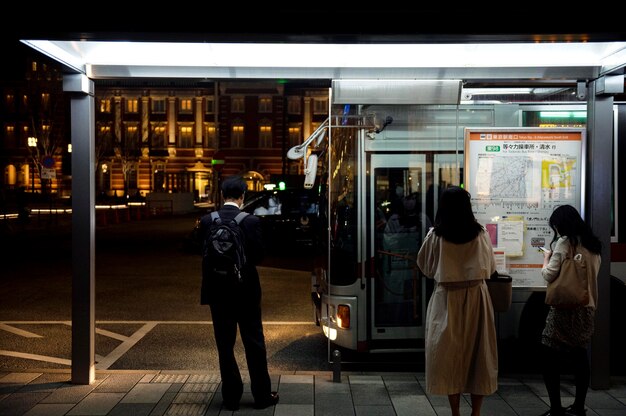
x: 516, y: 178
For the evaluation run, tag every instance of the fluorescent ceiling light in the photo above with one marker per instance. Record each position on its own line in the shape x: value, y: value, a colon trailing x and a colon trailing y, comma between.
x: 123, y: 59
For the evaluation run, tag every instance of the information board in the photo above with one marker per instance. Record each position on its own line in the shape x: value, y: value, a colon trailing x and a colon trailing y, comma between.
x: 516, y: 178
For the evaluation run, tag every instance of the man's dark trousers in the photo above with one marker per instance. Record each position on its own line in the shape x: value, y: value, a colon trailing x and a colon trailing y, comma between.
x: 226, y: 316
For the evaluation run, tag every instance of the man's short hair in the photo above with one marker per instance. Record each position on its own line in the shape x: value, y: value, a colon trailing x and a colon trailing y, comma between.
x: 233, y: 187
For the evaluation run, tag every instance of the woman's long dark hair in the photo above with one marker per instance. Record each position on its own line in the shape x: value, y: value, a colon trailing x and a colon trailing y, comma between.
x: 455, y: 221
x: 566, y: 221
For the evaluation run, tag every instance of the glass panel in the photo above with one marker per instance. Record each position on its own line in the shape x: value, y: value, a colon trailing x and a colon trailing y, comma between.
x: 400, y: 228
x: 343, y: 209
x: 158, y: 105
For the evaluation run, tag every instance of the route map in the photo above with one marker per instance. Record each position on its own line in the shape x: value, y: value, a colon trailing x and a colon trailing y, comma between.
x: 505, y: 177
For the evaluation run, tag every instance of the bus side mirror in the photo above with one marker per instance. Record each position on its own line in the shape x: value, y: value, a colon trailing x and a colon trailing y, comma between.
x: 310, y: 171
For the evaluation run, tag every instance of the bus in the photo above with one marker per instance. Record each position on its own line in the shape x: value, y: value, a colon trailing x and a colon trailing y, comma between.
x: 379, y: 168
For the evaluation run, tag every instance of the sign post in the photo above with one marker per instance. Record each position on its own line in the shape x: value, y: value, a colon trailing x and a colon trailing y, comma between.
x: 217, y: 163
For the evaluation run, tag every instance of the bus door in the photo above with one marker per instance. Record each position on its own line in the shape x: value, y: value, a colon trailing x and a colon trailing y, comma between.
x: 398, y: 224
x: 447, y: 171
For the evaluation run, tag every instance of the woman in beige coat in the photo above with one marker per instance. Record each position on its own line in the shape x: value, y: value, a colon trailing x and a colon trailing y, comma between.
x: 461, y: 347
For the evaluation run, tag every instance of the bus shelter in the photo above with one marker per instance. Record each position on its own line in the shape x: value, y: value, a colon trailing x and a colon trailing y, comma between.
x: 437, y: 72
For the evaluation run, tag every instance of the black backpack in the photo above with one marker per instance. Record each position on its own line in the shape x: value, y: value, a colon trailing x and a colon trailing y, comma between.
x: 223, y: 252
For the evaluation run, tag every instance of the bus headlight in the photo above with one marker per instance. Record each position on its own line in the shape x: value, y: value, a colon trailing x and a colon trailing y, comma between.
x: 331, y: 333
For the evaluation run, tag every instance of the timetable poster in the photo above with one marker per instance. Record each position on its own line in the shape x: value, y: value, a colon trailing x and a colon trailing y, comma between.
x: 516, y: 178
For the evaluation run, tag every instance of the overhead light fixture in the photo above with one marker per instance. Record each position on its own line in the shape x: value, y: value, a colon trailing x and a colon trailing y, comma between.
x: 299, y: 151
x: 310, y: 171
x: 396, y: 91
x: 310, y: 162
x: 563, y: 114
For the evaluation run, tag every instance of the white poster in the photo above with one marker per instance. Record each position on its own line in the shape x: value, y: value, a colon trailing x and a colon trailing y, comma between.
x: 48, y: 173
x: 516, y: 178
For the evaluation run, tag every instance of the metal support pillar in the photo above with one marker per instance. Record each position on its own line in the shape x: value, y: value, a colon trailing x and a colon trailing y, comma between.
x: 598, y: 174
x: 83, y: 227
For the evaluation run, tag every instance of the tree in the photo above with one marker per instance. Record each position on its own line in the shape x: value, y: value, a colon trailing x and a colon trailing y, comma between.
x: 103, y: 148
x: 127, y: 150
x: 123, y: 146
x: 47, y: 112
x: 44, y: 143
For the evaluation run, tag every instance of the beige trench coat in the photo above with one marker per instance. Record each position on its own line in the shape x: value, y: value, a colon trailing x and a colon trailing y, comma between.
x: 461, y: 344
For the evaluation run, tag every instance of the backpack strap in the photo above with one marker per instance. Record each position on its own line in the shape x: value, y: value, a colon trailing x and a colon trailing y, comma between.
x: 241, y: 216
x: 215, y: 216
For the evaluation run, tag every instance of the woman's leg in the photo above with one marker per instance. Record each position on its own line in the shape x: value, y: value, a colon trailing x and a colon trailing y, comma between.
x: 455, y: 403
x: 477, y: 402
x: 581, y: 377
x: 552, y: 377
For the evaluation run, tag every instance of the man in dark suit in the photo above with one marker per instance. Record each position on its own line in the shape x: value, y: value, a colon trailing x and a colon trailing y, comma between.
x: 235, y: 304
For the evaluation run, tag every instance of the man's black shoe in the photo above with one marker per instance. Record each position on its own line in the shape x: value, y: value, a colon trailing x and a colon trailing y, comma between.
x: 231, y: 406
x: 271, y: 401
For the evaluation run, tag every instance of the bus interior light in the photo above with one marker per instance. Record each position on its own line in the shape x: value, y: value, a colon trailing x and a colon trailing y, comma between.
x: 343, y: 316
x: 563, y: 114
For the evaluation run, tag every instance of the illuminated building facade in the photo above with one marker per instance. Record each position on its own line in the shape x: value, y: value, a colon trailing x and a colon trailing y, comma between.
x: 155, y: 135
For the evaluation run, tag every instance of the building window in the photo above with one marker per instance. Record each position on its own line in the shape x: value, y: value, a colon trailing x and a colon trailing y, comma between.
x: 236, y: 135
x: 9, y: 132
x: 295, y: 135
x: 315, y: 125
x: 10, y: 102
x: 265, y: 104
x: 27, y: 138
x: 211, y: 135
x: 320, y: 105
x: 105, y: 105
x: 185, y: 134
x: 132, y: 105
x: 104, y: 141
x: 265, y: 134
x: 33, y: 66
x: 185, y: 106
x: 158, y: 136
x: 132, y: 131
x: 25, y: 101
x: 105, y: 130
x: 209, y: 105
x: 237, y: 104
x: 294, y: 105
x: 157, y: 106
x: 45, y: 101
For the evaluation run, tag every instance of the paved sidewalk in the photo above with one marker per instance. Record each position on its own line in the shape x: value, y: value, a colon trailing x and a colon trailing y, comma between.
x: 126, y: 393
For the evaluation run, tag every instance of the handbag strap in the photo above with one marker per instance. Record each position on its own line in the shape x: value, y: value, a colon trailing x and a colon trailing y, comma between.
x: 570, y: 253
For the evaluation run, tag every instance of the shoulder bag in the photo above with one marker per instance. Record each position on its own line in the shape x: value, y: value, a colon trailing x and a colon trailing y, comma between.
x: 501, y: 291
x: 569, y: 289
